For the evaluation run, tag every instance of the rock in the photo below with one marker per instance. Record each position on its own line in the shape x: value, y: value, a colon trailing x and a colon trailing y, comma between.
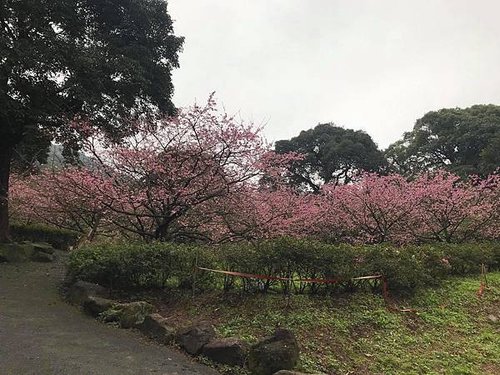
x: 193, y: 338
x: 278, y: 352
x: 43, y: 247
x: 16, y: 252
x: 230, y: 351
x: 42, y: 257
x: 133, y: 313
x: 26, y: 251
x: 128, y: 314
x: 492, y: 318
x: 96, y: 305
x: 80, y: 291
x: 42, y: 252
x: 155, y: 326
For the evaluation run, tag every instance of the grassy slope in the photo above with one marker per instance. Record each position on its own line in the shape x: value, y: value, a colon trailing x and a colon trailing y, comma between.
x: 355, y: 334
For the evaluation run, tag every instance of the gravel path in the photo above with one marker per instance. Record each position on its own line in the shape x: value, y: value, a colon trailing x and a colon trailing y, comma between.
x: 40, y: 334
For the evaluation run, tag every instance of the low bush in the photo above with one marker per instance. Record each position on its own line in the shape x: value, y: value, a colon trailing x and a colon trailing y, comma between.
x: 138, y: 265
x: 61, y: 239
x: 163, y: 264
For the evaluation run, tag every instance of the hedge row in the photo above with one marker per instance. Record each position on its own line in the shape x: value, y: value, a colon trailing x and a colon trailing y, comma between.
x: 125, y: 266
x: 61, y: 239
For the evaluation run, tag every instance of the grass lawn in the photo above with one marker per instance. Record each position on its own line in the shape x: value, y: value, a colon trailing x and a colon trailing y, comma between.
x: 450, y: 333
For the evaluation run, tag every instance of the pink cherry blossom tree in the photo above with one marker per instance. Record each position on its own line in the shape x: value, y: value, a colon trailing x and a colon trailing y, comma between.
x: 373, y: 209
x: 205, y: 176
x: 452, y: 210
x: 258, y: 212
x: 434, y: 207
x: 161, y: 175
x: 66, y: 198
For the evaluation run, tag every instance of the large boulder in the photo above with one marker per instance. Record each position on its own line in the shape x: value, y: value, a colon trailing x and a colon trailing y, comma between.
x: 155, y: 326
x: 80, y: 292
x: 193, y: 338
x: 278, y: 352
x: 229, y: 351
x: 95, y: 306
x: 129, y: 315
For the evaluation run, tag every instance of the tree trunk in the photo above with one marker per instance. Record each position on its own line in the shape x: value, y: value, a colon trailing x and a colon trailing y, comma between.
x: 5, y: 159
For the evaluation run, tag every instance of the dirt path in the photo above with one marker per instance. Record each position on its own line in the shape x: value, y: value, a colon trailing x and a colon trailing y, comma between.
x: 40, y: 334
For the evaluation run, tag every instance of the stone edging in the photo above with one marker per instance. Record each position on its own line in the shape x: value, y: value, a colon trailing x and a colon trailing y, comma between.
x: 277, y: 354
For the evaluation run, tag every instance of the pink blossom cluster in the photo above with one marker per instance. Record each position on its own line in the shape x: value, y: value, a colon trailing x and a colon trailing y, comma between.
x: 203, y: 175
x: 436, y: 206
x: 153, y: 184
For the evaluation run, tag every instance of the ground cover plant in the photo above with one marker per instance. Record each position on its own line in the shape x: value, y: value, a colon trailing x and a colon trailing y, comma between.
x: 452, y: 331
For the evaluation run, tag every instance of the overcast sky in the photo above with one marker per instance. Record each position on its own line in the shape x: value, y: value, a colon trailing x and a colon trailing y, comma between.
x: 375, y: 65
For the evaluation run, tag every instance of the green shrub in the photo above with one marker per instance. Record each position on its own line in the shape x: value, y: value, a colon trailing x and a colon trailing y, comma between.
x: 61, y: 239
x: 406, y: 268
x: 467, y: 258
x: 138, y: 265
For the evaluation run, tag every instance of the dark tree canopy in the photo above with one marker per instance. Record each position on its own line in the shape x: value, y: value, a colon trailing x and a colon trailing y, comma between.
x: 465, y: 141
x: 331, y: 154
x: 101, y: 61
x: 32, y: 151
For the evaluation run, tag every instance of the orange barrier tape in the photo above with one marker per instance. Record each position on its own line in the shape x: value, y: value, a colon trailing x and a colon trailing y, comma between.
x: 484, y: 283
x: 480, y: 291
x: 385, y: 285
x: 368, y: 277
x: 266, y: 277
x: 245, y: 275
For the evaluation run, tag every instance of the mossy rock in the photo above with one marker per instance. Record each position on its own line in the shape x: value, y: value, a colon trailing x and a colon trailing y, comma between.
x: 16, y: 252
x: 80, y: 292
x: 95, y: 306
x: 43, y: 247
x: 275, y: 353
x: 156, y: 327
x: 26, y: 251
x: 129, y: 315
x: 193, y: 338
x: 39, y: 256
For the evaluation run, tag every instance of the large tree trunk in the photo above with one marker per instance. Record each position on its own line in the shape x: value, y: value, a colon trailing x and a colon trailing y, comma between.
x: 5, y: 159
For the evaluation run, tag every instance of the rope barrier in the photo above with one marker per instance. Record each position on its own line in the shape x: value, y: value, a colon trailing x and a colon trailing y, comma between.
x: 385, y: 286
x: 268, y: 277
x: 246, y: 275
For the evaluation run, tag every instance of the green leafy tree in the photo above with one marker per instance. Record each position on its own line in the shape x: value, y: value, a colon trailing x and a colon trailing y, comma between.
x: 331, y: 154
x: 102, y: 62
x: 32, y: 151
x: 464, y: 141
